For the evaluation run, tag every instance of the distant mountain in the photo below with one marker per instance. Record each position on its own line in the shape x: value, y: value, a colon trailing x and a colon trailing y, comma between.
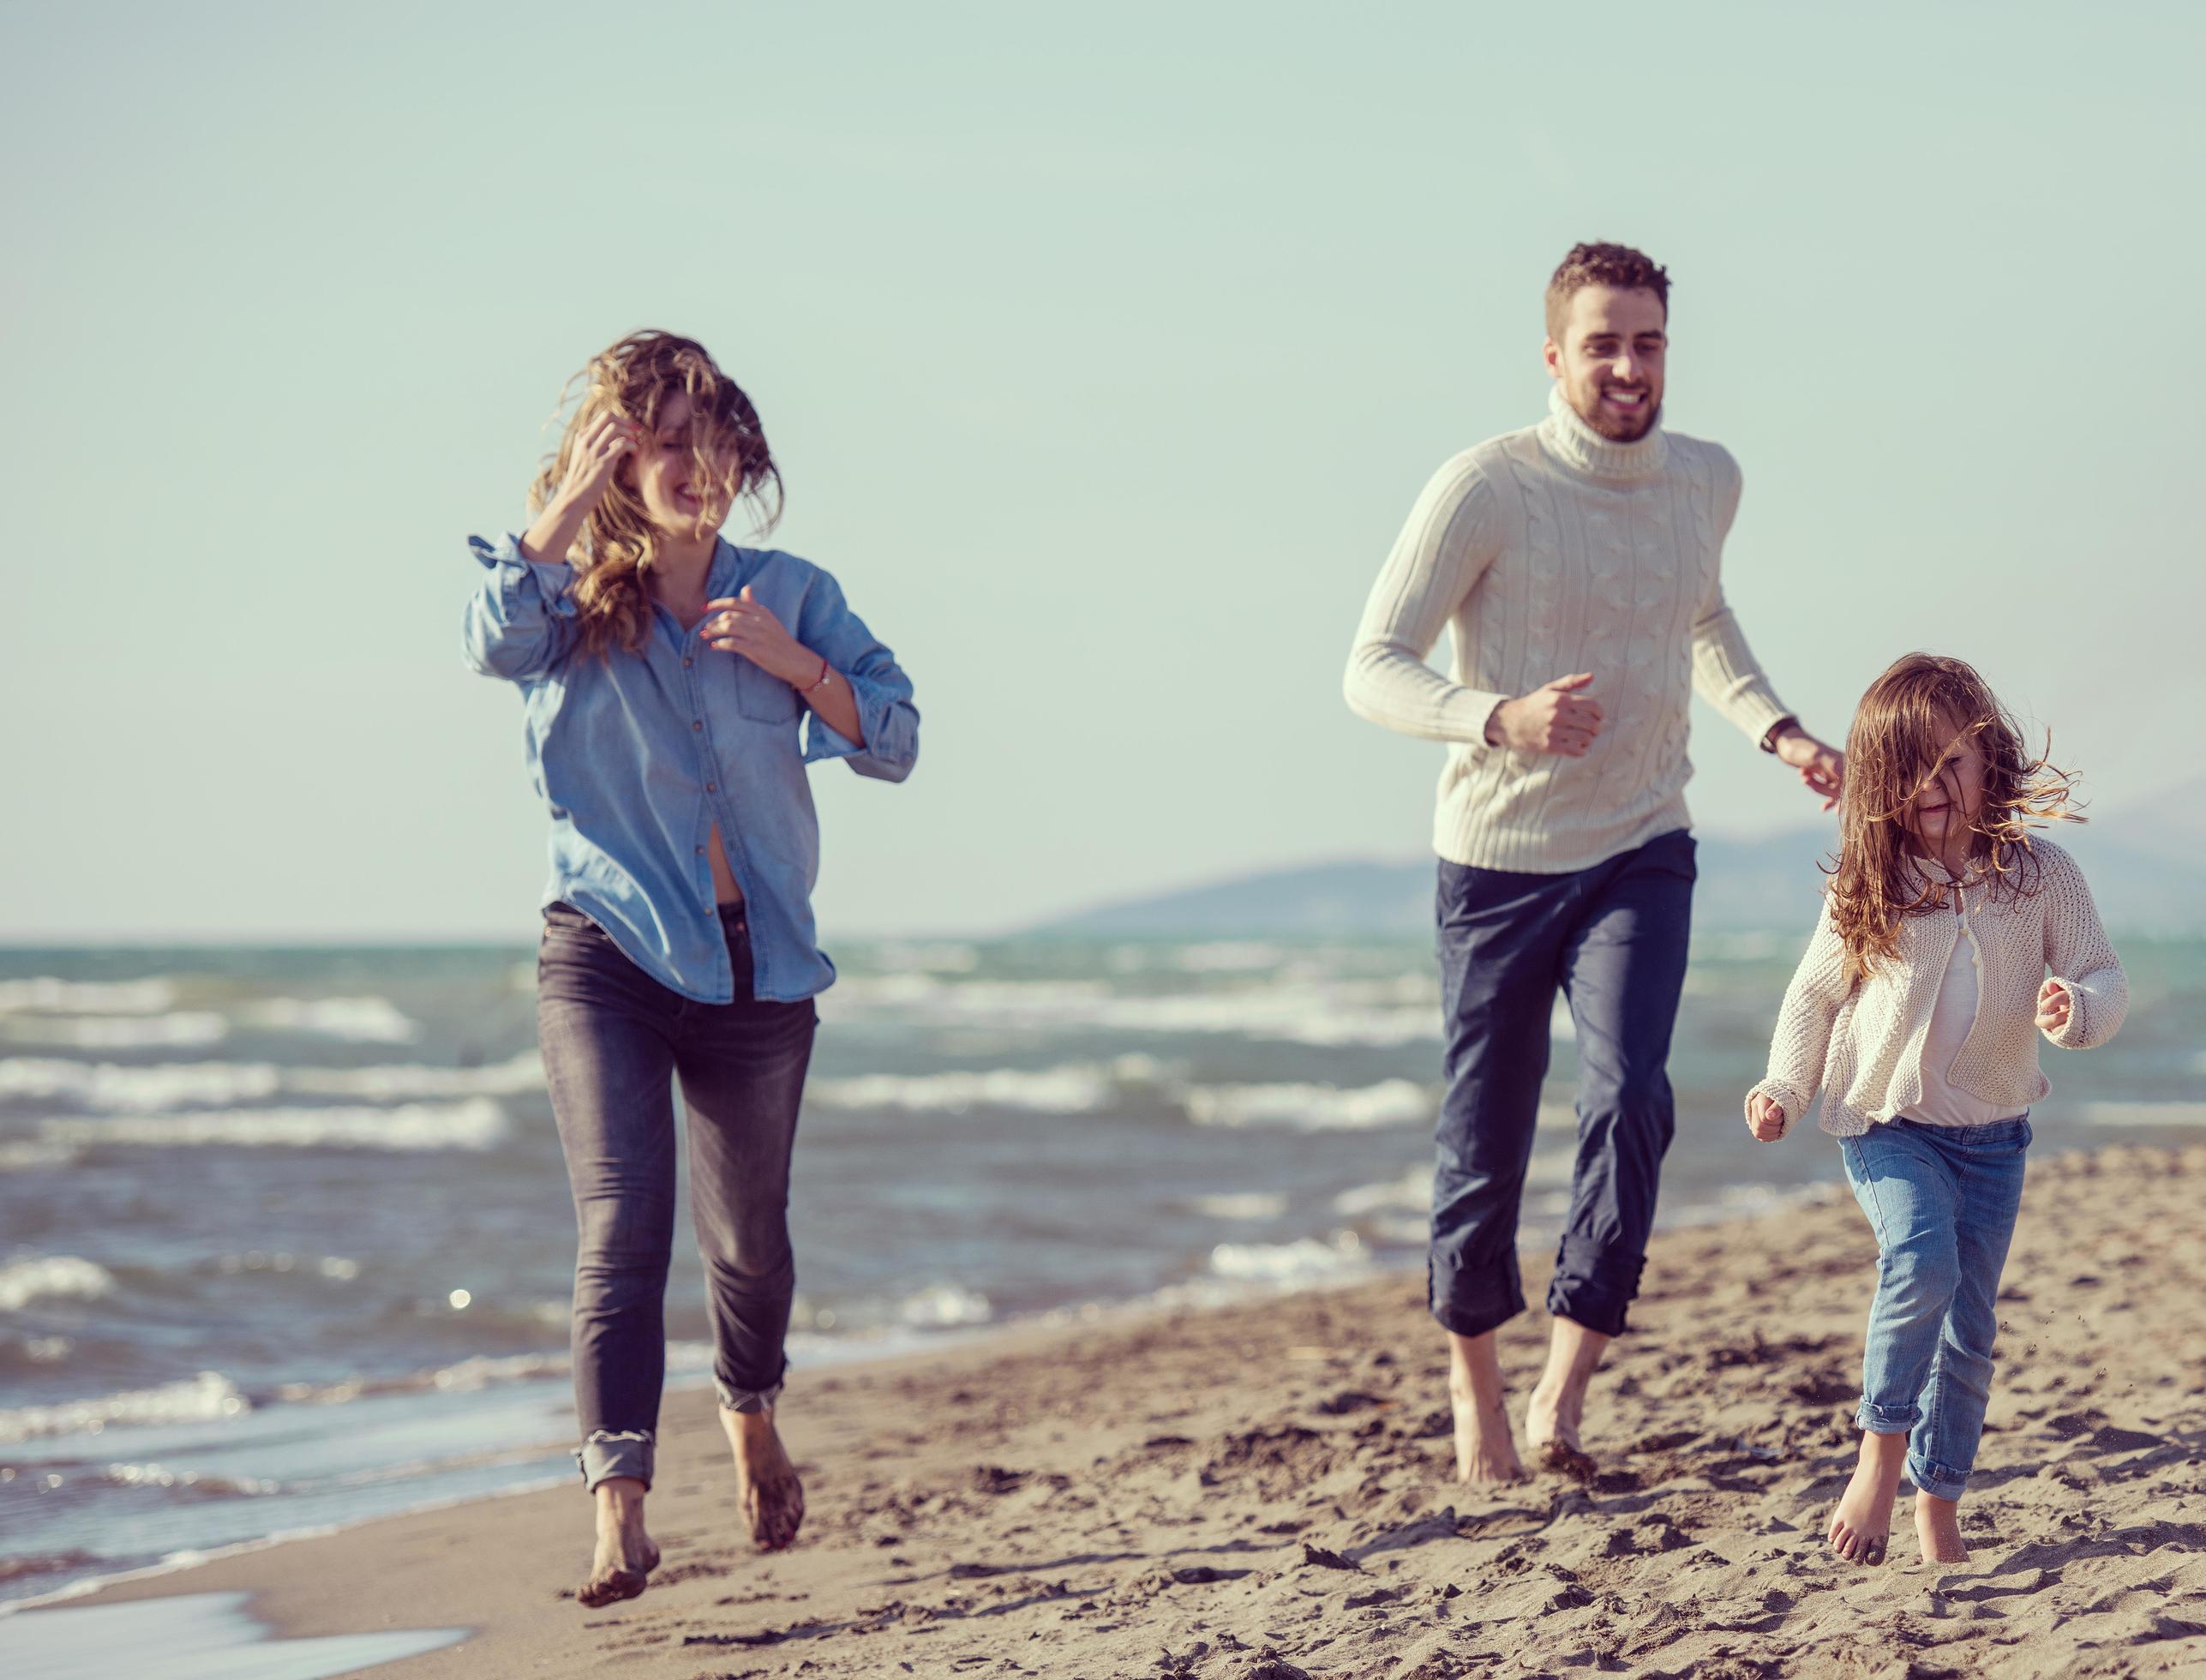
x: 1744, y: 883
x: 2170, y: 823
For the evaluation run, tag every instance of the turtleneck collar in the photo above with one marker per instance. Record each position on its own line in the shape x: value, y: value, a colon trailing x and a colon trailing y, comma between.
x: 1578, y: 445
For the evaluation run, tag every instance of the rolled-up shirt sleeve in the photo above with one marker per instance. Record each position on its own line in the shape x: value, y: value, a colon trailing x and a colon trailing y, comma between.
x: 520, y: 622
x: 888, y: 722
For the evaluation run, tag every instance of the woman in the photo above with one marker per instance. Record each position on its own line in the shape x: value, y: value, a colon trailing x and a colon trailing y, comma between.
x: 664, y: 673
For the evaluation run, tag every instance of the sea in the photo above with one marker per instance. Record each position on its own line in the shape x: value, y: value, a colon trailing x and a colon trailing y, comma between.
x: 286, y: 1241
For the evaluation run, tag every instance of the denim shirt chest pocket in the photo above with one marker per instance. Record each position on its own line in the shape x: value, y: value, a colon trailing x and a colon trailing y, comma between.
x: 762, y: 697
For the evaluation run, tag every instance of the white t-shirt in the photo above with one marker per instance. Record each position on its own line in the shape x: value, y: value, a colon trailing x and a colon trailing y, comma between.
x: 1944, y: 1103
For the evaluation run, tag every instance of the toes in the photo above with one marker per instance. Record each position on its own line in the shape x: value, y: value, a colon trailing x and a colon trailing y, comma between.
x: 609, y: 1589
x: 1565, y: 1460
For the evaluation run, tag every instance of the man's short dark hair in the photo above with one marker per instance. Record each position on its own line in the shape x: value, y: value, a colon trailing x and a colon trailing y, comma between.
x: 1601, y: 263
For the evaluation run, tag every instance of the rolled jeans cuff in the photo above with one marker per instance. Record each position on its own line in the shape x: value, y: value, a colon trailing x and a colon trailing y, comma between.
x: 1469, y: 1304
x: 1940, y: 1481
x: 747, y: 1400
x: 1594, y: 1285
x: 1887, y: 1419
x: 609, y: 1453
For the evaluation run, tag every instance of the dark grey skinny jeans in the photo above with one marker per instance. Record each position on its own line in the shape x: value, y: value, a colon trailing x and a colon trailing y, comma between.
x: 614, y: 1040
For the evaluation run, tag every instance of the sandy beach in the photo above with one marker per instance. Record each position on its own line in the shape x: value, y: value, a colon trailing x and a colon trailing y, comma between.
x: 1262, y: 1491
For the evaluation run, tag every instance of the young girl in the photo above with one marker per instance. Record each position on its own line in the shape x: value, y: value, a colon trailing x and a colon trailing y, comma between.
x: 664, y: 673
x: 1913, y: 1012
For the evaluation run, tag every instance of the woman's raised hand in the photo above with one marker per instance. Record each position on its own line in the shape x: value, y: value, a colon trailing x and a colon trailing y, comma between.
x: 590, y: 466
x: 596, y: 453
x: 1765, y: 1118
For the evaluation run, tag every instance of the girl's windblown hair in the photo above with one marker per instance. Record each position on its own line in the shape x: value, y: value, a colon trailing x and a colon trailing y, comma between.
x: 635, y: 378
x: 1915, y: 713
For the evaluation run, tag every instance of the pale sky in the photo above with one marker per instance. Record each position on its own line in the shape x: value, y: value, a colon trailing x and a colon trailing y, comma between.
x: 1104, y: 350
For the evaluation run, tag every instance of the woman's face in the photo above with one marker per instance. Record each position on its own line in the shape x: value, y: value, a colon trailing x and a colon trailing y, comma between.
x: 663, y: 468
x: 1951, y: 801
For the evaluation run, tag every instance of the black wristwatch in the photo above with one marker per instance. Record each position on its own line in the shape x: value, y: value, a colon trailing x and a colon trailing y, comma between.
x: 1770, y: 734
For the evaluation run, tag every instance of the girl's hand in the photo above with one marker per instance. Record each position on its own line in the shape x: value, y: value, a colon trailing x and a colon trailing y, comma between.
x: 1765, y: 1118
x: 748, y: 627
x: 597, y: 453
x: 2053, y: 1006
x: 1822, y: 768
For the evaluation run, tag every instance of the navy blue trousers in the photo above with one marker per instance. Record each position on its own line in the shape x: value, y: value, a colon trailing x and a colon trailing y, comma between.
x: 1612, y: 938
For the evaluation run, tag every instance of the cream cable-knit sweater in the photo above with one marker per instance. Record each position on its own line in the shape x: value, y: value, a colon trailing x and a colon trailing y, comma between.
x: 1861, y: 1044
x: 1549, y: 551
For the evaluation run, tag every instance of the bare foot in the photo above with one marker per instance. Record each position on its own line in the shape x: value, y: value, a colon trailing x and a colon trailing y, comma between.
x: 1937, y: 1526
x: 1551, y: 1420
x: 625, y: 1556
x: 773, y: 1496
x: 1483, y: 1451
x: 1862, y: 1526
x: 1557, y: 1405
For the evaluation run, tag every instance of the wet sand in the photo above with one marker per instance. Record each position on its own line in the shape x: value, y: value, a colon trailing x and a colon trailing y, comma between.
x: 1262, y: 1491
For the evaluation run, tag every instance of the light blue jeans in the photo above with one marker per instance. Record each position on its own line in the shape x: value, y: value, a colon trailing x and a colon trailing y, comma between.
x: 1942, y: 1201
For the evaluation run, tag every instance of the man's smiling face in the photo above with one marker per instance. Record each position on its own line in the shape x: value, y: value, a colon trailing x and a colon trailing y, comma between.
x: 1607, y: 352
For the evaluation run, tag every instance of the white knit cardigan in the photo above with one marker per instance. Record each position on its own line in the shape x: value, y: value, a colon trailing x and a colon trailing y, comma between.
x: 1861, y: 1043
x: 1545, y: 552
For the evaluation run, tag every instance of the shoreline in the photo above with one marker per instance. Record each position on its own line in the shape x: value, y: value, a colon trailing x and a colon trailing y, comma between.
x: 1196, y: 1294
x: 1212, y: 1482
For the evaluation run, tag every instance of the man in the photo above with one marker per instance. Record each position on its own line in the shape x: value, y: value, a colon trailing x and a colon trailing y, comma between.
x: 1576, y: 563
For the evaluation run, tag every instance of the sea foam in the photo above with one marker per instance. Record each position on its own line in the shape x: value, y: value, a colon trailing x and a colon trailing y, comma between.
x: 53, y: 1277
x: 88, y: 996
x: 362, y: 1020
x: 1306, y: 1260
x: 478, y: 1124
x: 1310, y: 1107
x: 115, y: 1087
x: 196, y: 1400
x: 180, y: 1030
x: 1080, y: 1088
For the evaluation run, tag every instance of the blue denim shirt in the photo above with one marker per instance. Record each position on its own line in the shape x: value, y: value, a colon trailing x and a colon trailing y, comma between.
x: 638, y: 755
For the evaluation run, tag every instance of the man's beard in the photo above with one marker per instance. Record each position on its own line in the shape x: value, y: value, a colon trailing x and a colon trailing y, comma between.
x: 1618, y: 428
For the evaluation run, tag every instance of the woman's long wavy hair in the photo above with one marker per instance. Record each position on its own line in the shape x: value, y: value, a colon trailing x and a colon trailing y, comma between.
x: 1911, y: 717
x: 635, y: 378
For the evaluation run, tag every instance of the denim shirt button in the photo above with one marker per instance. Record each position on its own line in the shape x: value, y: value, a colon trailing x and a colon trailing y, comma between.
x: 712, y: 787
x: 697, y: 724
